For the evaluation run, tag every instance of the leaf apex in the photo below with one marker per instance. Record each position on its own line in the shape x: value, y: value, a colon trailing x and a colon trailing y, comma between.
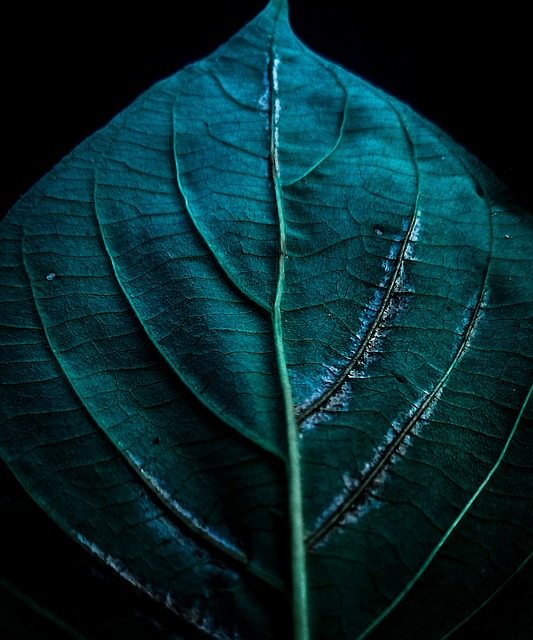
x: 281, y: 7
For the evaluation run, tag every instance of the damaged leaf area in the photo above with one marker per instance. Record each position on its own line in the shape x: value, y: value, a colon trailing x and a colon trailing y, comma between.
x: 266, y: 356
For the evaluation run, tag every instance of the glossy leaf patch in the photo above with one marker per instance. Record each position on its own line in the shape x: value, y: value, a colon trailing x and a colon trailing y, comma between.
x: 266, y: 354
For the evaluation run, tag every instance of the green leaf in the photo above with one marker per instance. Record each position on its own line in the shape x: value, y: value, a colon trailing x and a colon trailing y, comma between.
x: 265, y: 355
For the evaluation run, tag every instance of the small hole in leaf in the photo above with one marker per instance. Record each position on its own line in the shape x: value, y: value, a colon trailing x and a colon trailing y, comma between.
x: 401, y: 379
x: 156, y: 440
x: 51, y: 276
x: 378, y: 230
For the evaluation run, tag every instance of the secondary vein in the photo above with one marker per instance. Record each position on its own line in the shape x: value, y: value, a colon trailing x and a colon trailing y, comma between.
x: 450, y: 529
x: 159, y: 495
x: 351, y: 500
x: 353, y: 497
x: 462, y: 347
x: 330, y: 69
x: 194, y: 221
x: 335, y: 386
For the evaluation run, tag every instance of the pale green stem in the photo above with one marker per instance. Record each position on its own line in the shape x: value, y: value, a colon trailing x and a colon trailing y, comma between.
x: 295, y: 501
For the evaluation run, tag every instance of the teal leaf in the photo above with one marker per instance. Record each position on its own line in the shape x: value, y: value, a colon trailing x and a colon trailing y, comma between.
x: 266, y: 360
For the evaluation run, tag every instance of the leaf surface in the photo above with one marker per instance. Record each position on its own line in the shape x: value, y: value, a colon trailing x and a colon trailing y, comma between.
x: 266, y: 353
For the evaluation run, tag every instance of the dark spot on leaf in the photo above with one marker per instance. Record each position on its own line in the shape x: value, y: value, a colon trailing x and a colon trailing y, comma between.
x: 479, y: 190
x: 156, y: 440
x: 400, y: 379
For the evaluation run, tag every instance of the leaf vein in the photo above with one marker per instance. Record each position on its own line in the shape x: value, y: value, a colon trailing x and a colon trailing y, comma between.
x: 337, y: 515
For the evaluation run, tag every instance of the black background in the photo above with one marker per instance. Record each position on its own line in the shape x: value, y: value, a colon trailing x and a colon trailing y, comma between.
x: 68, y: 72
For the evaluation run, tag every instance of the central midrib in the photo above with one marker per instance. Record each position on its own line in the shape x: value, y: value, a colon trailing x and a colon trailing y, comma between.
x: 295, y: 500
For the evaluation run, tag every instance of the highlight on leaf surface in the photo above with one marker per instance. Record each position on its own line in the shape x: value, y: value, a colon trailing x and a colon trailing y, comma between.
x: 266, y: 360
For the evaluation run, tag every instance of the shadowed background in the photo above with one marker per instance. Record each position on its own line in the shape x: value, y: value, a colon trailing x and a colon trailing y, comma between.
x: 67, y: 73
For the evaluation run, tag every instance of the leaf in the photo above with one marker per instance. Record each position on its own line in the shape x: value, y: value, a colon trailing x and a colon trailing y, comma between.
x: 265, y: 354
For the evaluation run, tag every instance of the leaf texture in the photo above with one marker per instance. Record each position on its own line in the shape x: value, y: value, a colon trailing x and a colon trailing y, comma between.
x: 266, y: 354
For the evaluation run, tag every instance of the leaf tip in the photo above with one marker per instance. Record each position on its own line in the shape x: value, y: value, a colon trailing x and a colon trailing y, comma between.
x: 281, y: 8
